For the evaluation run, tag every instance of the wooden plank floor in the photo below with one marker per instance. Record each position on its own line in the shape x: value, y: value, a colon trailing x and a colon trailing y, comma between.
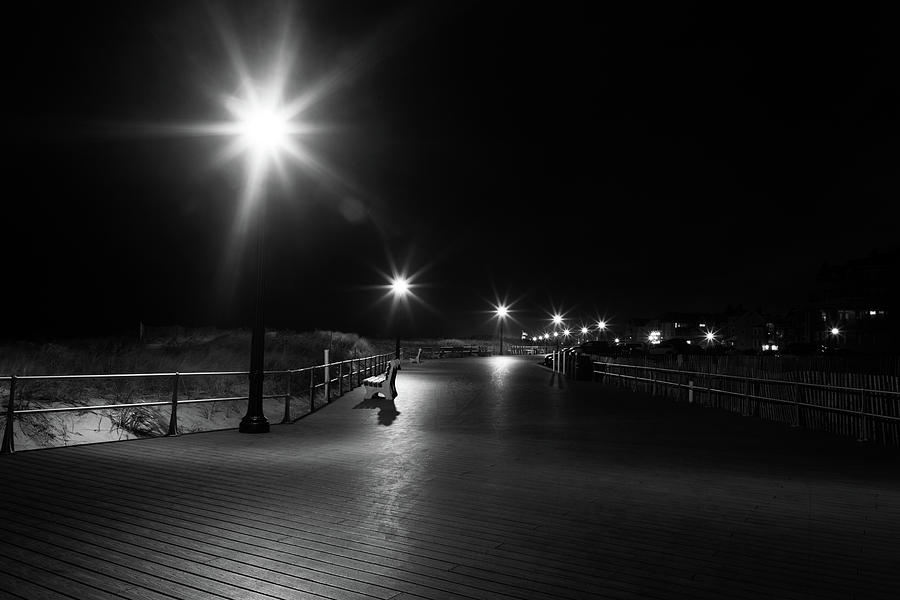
x: 488, y: 478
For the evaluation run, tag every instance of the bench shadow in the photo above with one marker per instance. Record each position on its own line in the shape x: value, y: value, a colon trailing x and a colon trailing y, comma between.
x: 387, y: 409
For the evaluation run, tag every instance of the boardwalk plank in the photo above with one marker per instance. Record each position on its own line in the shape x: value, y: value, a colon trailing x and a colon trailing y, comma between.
x: 566, y: 491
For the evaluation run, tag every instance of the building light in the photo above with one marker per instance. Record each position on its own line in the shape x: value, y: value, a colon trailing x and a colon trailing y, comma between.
x: 702, y: 325
x: 654, y: 337
x: 873, y: 313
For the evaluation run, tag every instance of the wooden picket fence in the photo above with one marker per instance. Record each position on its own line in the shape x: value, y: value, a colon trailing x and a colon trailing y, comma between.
x: 852, y: 399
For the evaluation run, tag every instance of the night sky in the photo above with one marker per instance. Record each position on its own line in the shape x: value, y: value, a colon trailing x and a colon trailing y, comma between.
x: 566, y: 156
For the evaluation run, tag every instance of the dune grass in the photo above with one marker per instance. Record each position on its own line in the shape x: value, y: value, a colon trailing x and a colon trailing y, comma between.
x: 197, y: 350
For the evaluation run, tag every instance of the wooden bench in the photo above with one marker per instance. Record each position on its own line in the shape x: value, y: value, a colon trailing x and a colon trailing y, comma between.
x: 382, y: 384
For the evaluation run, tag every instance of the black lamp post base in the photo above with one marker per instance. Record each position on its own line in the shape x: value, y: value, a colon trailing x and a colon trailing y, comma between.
x: 255, y: 424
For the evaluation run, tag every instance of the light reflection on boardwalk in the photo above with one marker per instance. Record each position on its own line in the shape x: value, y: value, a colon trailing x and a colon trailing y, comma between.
x: 487, y: 477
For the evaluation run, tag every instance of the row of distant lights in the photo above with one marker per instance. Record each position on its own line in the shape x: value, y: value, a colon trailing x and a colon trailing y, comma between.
x: 400, y: 287
x: 655, y: 337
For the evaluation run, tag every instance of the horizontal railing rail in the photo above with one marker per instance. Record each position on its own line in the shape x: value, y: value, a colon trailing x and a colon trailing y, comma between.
x: 863, y: 412
x: 339, y: 375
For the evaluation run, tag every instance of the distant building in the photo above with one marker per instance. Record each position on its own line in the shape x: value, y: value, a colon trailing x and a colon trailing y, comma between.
x: 854, y: 306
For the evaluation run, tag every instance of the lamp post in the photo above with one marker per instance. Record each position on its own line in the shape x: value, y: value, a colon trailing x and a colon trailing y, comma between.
x: 399, y: 288
x: 501, y: 312
x: 557, y: 322
x: 710, y: 338
x: 255, y: 420
x: 263, y: 128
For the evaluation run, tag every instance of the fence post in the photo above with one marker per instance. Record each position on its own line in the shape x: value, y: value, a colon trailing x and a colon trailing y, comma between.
x: 340, y: 379
x: 745, y: 405
x: 863, y: 426
x: 690, y: 391
x: 9, y: 443
x: 312, y: 389
x: 173, y: 416
x: 796, y: 419
x: 327, y: 379
x: 287, y: 400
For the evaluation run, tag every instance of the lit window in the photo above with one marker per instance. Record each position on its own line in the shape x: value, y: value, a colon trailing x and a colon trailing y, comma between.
x: 872, y: 313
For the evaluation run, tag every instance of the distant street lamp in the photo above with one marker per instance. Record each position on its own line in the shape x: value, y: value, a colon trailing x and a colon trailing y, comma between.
x: 557, y: 322
x: 601, y: 328
x: 399, y: 288
x: 501, y: 312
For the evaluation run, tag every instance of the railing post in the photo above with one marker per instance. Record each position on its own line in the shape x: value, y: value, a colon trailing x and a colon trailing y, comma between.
x: 863, y: 425
x: 745, y: 405
x: 690, y: 391
x: 312, y: 389
x: 287, y: 400
x: 340, y: 379
x: 796, y: 419
x: 173, y: 416
x: 327, y: 379
x: 9, y: 444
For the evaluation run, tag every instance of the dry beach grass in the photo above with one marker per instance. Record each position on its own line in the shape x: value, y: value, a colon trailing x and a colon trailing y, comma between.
x: 184, y: 351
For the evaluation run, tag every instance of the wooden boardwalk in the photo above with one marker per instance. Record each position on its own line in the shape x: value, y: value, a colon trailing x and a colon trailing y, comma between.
x: 488, y: 478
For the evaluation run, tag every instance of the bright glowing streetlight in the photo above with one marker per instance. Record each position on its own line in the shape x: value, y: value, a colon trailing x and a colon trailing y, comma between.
x: 835, y: 331
x: 264, y: 131
x: 501, y: 312
x: 557, y: 322
x: 400, y: 289
x: 601, y: 328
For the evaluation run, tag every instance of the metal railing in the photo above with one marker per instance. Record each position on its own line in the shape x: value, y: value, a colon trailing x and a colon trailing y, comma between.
x: 865, y: 413
x: 310, y: 381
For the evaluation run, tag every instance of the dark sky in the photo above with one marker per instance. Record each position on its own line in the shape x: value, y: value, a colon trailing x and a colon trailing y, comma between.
x: 564, y: 156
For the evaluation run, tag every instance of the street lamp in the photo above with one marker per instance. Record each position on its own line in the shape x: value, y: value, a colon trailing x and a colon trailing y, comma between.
x: 263, y: 128
x: 501, y: 312
x: 601, y: 328
x: 399, y: 288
